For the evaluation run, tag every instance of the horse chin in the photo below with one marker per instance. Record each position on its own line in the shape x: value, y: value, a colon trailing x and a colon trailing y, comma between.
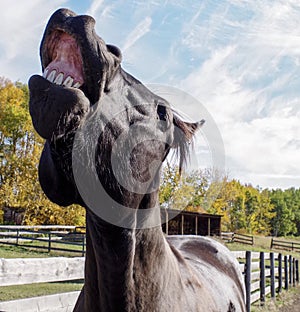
x: 49, y: 102
x: 41, y: 88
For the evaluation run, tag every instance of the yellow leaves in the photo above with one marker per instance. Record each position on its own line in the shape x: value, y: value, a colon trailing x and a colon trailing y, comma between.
x: 20, y: 150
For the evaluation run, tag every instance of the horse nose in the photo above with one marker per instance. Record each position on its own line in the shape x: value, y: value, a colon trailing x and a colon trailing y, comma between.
x: 88, y: 20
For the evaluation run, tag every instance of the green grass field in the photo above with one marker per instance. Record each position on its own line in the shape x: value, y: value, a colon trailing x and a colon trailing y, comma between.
x: 7, y: 251
x: 40, y: 289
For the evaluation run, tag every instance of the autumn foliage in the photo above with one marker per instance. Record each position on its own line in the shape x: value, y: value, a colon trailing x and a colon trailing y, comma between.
x: 20, y: 149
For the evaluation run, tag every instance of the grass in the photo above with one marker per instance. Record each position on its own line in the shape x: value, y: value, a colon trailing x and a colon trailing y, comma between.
x: 7, y: 251
x: 10, y: 252
x: 286, y: 301
x: 40, y: 289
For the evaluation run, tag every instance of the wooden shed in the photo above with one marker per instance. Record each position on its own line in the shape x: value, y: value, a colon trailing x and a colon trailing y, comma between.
x: 190, y: 223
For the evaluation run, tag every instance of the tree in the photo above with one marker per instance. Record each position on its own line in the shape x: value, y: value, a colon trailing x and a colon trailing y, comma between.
x: 20, y: 149
x: 187, y: 191
x: 283, y: 221
x: 264, y: 214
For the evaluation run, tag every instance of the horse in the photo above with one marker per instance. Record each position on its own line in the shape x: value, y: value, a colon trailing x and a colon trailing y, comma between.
x: 106, y: 137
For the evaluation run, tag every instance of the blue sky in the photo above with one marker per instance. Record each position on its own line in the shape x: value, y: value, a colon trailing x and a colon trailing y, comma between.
x: 239, y: 58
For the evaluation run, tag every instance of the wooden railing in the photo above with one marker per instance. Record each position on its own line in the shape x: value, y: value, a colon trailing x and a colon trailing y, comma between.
x: 48, y: 238
x: 291, y: 246
x: 38, y: 270
x: 266, y: 274
x: 231, y: 237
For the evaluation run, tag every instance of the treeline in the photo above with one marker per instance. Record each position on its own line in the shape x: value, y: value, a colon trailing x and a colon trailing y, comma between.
x: 20, y: 149
x: 245, y: 209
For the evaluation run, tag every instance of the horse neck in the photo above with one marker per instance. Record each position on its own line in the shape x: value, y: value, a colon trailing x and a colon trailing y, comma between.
x: 124, y: 267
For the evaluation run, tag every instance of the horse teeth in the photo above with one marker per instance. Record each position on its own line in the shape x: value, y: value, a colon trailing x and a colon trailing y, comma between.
x: 52, y: 76
x: 59, y: 79
x: 76, y: 85
x: 68, y: 82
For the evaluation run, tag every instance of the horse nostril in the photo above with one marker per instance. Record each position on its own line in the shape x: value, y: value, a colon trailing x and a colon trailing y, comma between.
x: 88, y: 20
x: 161, y: 111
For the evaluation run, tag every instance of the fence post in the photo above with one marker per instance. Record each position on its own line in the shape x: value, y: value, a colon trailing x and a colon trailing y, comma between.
x: 83, y: 245
x: 286, y: 273
x: 272, y: 265
x: 272, y: 243
x: 279, y: 273
x: 294, y: 272
x: 49, y: 241
x: 290, y: 270
x: 248, y: 280
x: 17, y: 240
x: 262, y: 278
x: 297, y: 271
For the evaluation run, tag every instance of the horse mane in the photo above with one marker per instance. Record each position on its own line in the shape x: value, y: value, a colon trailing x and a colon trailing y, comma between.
x: 184, y: 132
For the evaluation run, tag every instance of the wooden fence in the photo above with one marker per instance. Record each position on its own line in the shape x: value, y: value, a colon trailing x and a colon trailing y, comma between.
x: 231, y: 237
x: 72, y: 239
x: 28, y: 271
x: 265, y: 274
x: 48, y: 238
x: 291, y: 246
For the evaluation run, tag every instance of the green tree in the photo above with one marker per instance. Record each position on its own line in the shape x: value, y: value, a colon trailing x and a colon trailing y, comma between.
x: 283, y: 222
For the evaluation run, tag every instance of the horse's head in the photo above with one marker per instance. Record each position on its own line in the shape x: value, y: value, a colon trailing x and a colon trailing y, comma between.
x: 126, y: 127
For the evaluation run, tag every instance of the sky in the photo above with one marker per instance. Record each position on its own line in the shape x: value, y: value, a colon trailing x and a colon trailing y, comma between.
x: 239, y: 58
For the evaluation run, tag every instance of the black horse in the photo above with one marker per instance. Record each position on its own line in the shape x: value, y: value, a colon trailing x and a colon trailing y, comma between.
x: 106, y: 138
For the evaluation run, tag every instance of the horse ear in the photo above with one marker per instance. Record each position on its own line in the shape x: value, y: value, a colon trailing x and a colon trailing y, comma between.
x: 183, y: 137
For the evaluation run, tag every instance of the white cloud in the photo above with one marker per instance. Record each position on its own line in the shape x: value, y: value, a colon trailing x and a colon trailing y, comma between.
x: 24, y: 22
x: 95, y: 7
x: 138, y: 32
x: 248, y: 84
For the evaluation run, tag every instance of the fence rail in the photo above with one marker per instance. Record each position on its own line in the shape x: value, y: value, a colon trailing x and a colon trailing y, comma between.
x: 291, y: 246
x: 70, y: 238
x: 231, y: 237
x: 47, y: 238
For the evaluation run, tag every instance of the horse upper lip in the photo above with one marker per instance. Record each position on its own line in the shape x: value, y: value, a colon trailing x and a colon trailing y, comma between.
x: 65, y: 64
